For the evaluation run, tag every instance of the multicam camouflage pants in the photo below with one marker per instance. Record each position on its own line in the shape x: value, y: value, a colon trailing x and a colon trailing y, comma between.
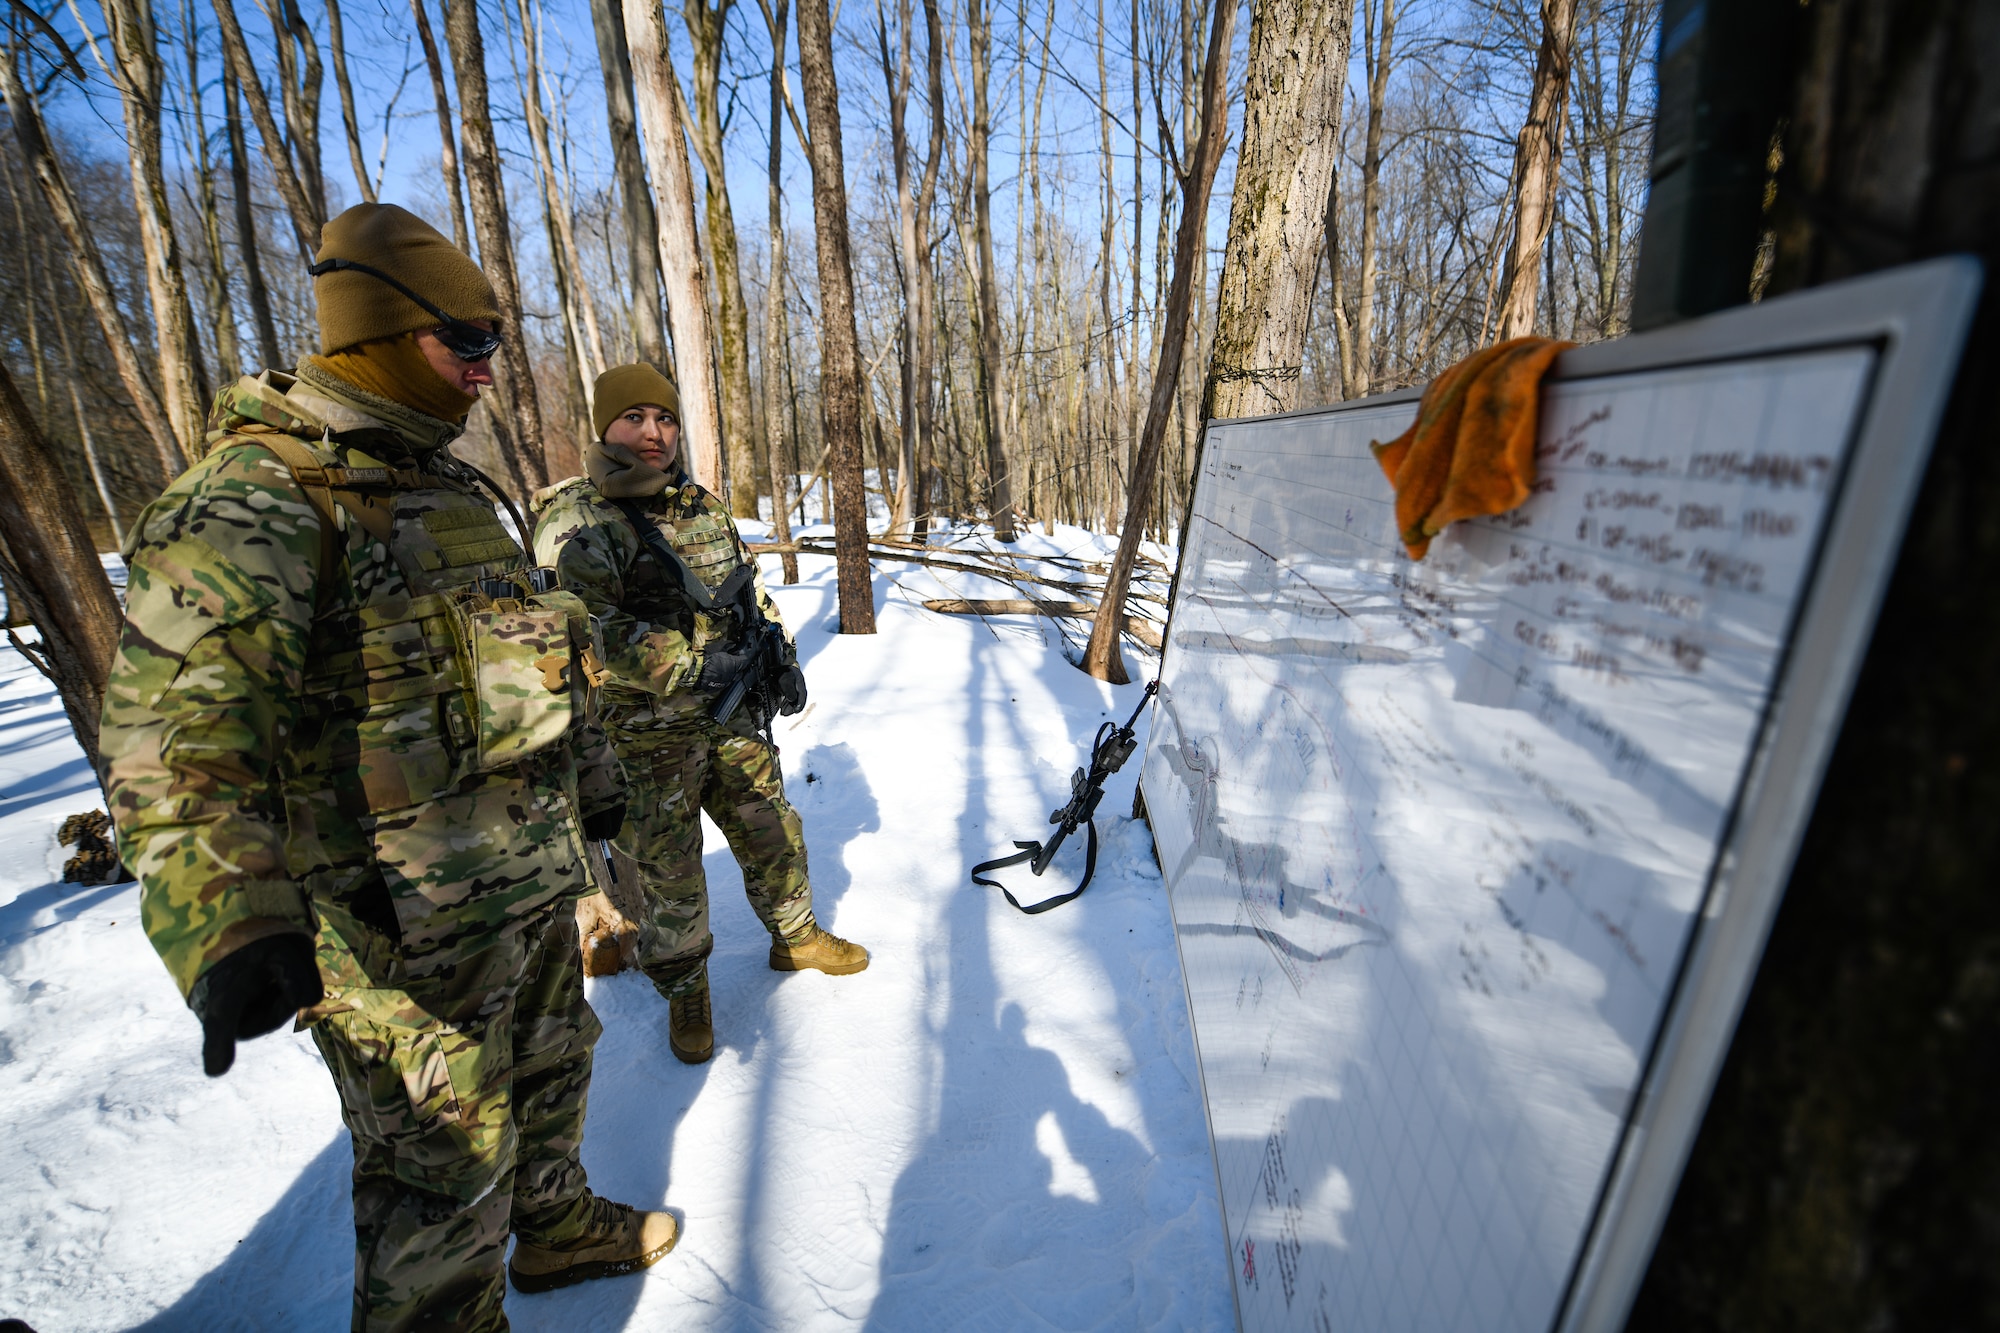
x: 465, y: 1100
x: 735, y: 778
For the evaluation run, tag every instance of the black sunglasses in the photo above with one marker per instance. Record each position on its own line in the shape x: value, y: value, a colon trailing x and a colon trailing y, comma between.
x: 467, y: 342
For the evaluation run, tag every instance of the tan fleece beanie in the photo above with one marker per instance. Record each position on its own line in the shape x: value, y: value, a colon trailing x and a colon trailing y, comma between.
x: 635, y: 385
x: 358, y: 307
x: 617, y: 472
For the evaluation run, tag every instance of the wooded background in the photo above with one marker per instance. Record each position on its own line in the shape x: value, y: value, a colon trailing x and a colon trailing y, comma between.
x: 1014, y: 180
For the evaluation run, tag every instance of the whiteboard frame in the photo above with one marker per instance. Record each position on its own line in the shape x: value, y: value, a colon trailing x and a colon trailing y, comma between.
x: 1916, y: 318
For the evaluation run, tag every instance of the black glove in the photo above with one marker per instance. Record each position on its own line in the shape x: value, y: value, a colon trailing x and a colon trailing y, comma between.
x: 720, y: 668
x: 791, y: 687
x: 250, y: 992
x: 605, y: 823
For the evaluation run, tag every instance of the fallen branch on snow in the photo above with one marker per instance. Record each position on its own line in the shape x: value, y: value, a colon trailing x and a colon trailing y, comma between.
x: 1038, y: 606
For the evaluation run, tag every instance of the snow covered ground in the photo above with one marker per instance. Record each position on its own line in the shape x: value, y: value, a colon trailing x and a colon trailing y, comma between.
x: 998, y: 1125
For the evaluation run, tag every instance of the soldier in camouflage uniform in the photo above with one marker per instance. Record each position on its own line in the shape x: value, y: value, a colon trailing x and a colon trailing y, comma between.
x: 348, y: 753
x: 669, y: 659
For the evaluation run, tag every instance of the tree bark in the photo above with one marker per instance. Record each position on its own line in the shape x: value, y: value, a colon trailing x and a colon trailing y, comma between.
x: 1845, y: 1172
x: 246, y: 223
x: 515, y: 384
x: 1537, y: 171
x: 896, y: 77
x: 926, y: 319
x: 706, y: 24
x: 562, y: 239
x: 54, y: 570
x: 447, y: 136
x: 1000, y: 500
x: 654, y: 88
x: 300, y: 73
x: 1284, y: 167
x: 88, y: 261
x: 840, y: 354
x: 337, y: 45
x: 1357, y: 367
x: 642, y: 233
x: 776, y: 334
x: 73, y: 381
x: 194, y: 140
x: 183, y: 378
x: 1101, y: 657
x: 307, y: 217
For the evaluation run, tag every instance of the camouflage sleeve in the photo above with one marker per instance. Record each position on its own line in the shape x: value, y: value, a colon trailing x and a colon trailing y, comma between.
x: 590, y: 550
x: 201, y: 698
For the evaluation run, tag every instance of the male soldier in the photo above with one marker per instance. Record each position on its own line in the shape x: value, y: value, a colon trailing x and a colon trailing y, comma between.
x: 332, y: 813
x: 629, y: 539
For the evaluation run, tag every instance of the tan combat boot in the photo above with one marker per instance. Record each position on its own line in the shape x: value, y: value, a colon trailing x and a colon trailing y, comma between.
x: 691, y: 1023
x: 618, y: 1239
x: 813, y: 947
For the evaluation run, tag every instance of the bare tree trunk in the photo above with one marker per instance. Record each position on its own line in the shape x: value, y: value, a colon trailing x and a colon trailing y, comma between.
x: 562, y: 238
x: 896, y: 79
x: 215, y: 275
x: 1108, y: 204
x: 1358, y: 367
x: 1000, y: 501
x: 528, y: 459
x: 49, y: 562
x: 1132, y: 356
x: 337, y: 44
x: 641, y: 230
x: 654, y: 87
x: 447, y: 136
x: 1101, y: 657
x: 924, y: 483
x: 183, y: 378
x: 73, y: 380
x: 1844, y: 1174
x: 1291, y: 139
x: 91, y: 274
x: 840, y: 384
x: 706, y: 25
x: 583, y: 350
x: 1537, y: 171
x: 246, y: 223
x: 776, y: 336
x: 299, y: 70
x: 307, y: 215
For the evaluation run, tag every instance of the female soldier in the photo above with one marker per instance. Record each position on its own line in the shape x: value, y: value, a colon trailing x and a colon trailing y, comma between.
x: 649, y: 551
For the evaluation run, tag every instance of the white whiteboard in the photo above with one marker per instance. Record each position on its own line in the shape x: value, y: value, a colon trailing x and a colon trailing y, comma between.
x: 1438, y: 835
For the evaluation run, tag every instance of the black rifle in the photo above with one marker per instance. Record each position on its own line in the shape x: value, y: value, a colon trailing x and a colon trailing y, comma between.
x: 736, y: 595
x: 770, y: 654
x: 1108, y: 753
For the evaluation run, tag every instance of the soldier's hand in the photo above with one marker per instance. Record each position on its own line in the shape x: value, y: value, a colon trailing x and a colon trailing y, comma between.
x: 721, y: 666
x: 250, y: 992
x: 605, y: 823
x: 791, y: 688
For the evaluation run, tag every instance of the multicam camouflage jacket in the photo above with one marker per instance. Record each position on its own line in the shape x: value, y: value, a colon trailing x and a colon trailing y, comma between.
x: 653, y: 635
x: 380, y: 734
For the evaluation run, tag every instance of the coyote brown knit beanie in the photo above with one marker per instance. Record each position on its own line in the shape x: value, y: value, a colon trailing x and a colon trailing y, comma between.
x: 630, y: 386
x: 617, y: 472
x: 358, y: 307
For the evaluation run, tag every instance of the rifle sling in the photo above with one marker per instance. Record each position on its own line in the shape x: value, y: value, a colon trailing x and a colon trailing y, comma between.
x: 661, y: 550
x: 1031, y: 851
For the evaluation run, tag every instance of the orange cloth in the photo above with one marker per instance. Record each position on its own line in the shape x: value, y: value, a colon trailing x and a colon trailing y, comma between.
x: 1471, y: 450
